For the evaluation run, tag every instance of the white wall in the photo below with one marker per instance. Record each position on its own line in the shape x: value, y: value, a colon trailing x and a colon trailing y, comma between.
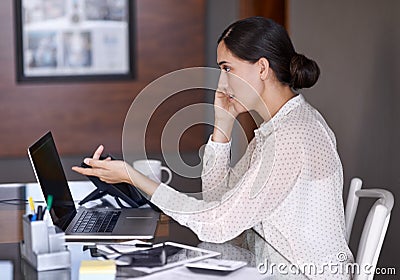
x: 357, y: 43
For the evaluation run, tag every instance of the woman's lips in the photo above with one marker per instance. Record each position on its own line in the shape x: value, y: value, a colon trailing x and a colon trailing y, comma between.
x: 227, y: 94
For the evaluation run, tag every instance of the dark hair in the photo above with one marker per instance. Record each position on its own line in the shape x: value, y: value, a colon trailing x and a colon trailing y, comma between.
x: 253, y: 38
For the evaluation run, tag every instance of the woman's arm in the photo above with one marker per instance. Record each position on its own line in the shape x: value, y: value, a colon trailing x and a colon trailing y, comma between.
x: 216, y: 170
x: 257, y: 193
x: 218, y: 177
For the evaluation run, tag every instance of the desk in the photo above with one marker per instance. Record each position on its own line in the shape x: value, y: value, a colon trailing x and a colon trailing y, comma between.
x: 249, y: 246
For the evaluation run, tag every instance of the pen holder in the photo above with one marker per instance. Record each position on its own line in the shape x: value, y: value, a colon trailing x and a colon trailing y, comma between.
x: 42, y: 247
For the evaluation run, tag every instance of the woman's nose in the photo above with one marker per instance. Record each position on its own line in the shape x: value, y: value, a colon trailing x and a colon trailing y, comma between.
x: 223, y: 81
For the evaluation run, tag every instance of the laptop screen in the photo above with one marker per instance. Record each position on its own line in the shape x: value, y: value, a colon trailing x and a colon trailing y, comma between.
x: 51, y: 178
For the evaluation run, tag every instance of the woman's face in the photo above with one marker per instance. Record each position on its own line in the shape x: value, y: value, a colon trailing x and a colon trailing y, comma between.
x: 239, y: 78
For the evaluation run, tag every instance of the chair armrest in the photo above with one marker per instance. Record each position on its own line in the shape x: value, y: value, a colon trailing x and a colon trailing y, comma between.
x: 384, y: 196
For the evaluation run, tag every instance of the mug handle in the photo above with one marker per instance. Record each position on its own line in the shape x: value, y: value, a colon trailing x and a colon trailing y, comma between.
x: 166, y: 169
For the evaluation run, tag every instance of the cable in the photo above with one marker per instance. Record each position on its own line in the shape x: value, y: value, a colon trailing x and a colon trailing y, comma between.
x: 20, y: 201
x: 14, y: 201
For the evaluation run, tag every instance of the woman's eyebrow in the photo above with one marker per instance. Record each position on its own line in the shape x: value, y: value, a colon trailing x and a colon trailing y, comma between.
x: 222, y: 62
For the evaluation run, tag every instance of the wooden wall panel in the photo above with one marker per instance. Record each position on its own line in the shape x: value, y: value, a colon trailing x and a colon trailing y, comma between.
x: 169, y: 36
x: 274, y: 9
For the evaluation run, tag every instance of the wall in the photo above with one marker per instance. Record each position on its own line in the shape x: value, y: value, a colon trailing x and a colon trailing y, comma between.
x: 81, y: 115
x: 169, y: 36
x: 356, y: 44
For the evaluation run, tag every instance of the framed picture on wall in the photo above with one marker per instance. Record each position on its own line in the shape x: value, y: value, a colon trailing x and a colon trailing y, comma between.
x: 61, y: 40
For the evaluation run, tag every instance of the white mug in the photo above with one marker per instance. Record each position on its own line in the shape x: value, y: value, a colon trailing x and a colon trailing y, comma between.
x: 152, y: 168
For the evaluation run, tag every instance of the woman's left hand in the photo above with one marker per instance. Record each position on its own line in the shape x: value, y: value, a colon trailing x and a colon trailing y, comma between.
x: 109, y: 171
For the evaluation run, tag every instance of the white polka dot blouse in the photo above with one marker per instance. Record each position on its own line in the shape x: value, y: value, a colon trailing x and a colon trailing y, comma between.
x: 287, y: 186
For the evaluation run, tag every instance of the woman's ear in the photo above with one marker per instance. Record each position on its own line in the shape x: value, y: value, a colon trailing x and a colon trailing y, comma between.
x: 264, y: 68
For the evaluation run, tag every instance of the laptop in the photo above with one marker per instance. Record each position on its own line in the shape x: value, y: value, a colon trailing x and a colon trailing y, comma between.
x: 84, y: 223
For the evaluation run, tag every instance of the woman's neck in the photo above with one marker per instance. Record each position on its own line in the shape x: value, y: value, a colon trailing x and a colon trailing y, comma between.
x: 274, y: 97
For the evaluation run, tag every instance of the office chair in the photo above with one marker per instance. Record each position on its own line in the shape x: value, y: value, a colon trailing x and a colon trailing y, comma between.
x: 351, y: 206
x: 375, y: 226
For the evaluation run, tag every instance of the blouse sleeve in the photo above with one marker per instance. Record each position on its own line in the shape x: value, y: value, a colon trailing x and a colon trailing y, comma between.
x: 216, y: 169
x: 217, y: 176
x: 271, y: 176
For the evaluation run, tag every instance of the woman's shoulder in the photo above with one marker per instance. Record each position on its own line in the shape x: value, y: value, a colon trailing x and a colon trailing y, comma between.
x: 305, y: 123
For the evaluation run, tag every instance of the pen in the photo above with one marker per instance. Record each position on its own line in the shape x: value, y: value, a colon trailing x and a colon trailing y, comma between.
x: 49, y: 202
x: 40, y: 213
x: 32, y: 206
x: 49, y: 205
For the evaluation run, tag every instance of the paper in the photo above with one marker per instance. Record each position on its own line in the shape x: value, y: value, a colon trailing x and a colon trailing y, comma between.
x: 97, y: 267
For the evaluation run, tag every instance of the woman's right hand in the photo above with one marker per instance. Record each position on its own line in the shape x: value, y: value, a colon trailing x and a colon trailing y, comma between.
x: 107, y: 170
x: 226, y: 109
x: 116, y: 171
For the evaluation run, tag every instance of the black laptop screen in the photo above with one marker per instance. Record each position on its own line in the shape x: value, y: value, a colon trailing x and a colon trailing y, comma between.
x: 51, y: 178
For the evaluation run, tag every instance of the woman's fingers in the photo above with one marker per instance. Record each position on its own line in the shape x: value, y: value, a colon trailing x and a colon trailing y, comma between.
x: 84, y: 171
x: 96, y: 163
x: 110, y: 171
x: 96, y: 170
x: 98, y: 152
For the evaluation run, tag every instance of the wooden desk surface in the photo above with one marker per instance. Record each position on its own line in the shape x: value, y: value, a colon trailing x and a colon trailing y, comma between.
x: 11, y: 213
x: 11, y: 225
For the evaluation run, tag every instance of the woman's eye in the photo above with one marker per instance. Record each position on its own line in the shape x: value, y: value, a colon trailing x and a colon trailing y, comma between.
x: 226, y: 68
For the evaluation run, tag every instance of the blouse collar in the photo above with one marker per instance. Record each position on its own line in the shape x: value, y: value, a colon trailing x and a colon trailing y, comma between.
x: 266, y: 128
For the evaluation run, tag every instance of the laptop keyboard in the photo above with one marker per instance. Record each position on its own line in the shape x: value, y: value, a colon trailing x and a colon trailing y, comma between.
x: 96, y: 221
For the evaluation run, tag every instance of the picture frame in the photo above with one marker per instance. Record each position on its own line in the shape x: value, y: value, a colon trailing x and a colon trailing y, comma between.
x: 73, y: 40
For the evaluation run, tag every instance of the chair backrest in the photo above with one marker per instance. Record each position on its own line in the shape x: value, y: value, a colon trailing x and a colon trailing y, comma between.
x: 374, y: 231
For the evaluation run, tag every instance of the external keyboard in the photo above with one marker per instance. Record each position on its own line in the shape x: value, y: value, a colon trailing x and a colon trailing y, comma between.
x: 96, y: 221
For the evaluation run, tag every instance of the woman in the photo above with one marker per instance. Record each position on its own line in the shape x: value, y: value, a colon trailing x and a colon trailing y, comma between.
x: 288, y: 185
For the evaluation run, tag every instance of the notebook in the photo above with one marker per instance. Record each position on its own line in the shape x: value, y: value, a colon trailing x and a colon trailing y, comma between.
x: 84, y: 223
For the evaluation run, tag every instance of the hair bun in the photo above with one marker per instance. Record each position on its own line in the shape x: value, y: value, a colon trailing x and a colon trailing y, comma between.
x: 304, y: 72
